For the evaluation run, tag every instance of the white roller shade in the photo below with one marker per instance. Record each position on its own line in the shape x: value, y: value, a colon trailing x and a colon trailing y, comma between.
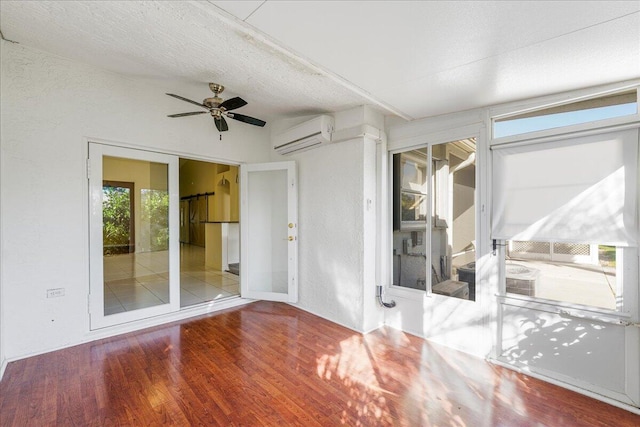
x: 576, y: 190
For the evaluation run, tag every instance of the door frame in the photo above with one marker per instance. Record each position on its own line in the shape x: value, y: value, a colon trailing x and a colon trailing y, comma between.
x: 245, y: 235
x: 96, y: 151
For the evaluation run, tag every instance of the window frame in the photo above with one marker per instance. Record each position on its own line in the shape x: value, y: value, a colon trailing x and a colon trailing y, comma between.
x: 398, y: 290
x: 505, y: 111
x: 627, y: 262
x: 433, y: 185
x: 410, y: 225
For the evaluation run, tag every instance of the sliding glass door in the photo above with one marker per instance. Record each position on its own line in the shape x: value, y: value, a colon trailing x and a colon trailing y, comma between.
x: 134, y: 234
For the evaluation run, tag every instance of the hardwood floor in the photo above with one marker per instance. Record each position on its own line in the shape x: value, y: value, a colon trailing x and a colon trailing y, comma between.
x: 272, y: 364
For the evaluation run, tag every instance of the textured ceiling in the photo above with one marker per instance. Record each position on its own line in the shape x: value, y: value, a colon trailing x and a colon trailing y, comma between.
x: 428, y: 58
x: 413, y: 59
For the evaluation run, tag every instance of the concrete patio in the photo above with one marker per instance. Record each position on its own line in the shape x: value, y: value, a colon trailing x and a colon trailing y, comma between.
x: 585, y: 284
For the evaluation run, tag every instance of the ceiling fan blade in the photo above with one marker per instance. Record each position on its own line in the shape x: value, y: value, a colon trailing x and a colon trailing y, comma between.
x: 247, y: 119
x: 187, y: 114
x: 221, y: 124
x: 233, y: 103
x: 187, y: 100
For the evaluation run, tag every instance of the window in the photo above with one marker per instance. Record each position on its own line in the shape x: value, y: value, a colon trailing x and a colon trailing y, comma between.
x: 578, y: 273
x: 607, y: 107
x: 410, y: 219
x: 567, y: 211
x: 446, y: 256
x: 410, y: 181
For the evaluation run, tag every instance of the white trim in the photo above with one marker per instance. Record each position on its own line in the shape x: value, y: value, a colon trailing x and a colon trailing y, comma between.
x: 565, y: 309
x: 434, y: 125
x: 548, y: 101
x: 3, y: 367
x: 401, y: 291
x: 382, y: 275
x: 97, y: 318
x: 514, y: 109
x: 182, y: 154
x: 246, y: 263
x: 441, y: 136
x: 568, y: 133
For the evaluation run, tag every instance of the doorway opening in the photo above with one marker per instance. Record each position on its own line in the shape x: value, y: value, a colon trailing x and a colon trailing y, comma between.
x: 209, y: 232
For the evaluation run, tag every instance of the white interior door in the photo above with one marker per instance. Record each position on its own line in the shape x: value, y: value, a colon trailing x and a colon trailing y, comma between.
x: 134, y: 234
x: 268, y: 232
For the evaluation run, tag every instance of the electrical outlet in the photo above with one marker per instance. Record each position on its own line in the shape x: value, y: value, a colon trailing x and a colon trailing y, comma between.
x: 54, y: 293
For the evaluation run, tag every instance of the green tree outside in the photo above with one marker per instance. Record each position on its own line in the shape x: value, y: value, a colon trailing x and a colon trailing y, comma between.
x: 116, y: 219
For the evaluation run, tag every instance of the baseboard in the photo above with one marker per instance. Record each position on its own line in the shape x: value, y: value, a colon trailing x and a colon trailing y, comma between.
x: 186, y: 313
x: 3, y: 367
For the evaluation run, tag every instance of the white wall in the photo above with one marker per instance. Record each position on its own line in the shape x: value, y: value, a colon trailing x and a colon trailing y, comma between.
x: 330, y: 232
x: 336, y: 230
x: 50, y: 106
x: 577, y: 351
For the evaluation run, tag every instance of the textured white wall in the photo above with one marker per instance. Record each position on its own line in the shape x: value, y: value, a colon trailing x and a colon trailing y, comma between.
x: 330, y: 212
x: 49, y: 107
x: 575, y: 348
x: 337, y: 224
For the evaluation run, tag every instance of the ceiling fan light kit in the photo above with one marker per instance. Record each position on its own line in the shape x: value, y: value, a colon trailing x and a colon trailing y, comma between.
x: 219, y: 109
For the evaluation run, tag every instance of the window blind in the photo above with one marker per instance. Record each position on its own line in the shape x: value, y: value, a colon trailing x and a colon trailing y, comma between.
x: 579, y: 190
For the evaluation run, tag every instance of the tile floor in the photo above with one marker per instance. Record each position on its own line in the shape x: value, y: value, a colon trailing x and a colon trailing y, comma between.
x: 134, y: 281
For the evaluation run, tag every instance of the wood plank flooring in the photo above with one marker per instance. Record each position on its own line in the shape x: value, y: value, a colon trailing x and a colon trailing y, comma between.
x: 272, y: 364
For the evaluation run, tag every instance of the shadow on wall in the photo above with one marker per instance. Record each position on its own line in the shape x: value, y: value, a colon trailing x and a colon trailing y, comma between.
x: 574, y: 348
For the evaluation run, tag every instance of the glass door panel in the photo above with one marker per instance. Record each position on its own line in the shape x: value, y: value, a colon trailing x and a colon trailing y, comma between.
x: 269, y: 232
x: 131, y: 250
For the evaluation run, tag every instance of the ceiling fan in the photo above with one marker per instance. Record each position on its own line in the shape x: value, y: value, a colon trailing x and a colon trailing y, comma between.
x: 219, y: 109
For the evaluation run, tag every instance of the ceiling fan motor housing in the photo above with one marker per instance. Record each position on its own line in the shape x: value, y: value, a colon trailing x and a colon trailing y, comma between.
x: 212, y: 102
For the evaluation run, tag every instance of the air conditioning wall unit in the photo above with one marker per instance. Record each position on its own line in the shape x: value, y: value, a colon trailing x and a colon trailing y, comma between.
x: 305, y: 136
